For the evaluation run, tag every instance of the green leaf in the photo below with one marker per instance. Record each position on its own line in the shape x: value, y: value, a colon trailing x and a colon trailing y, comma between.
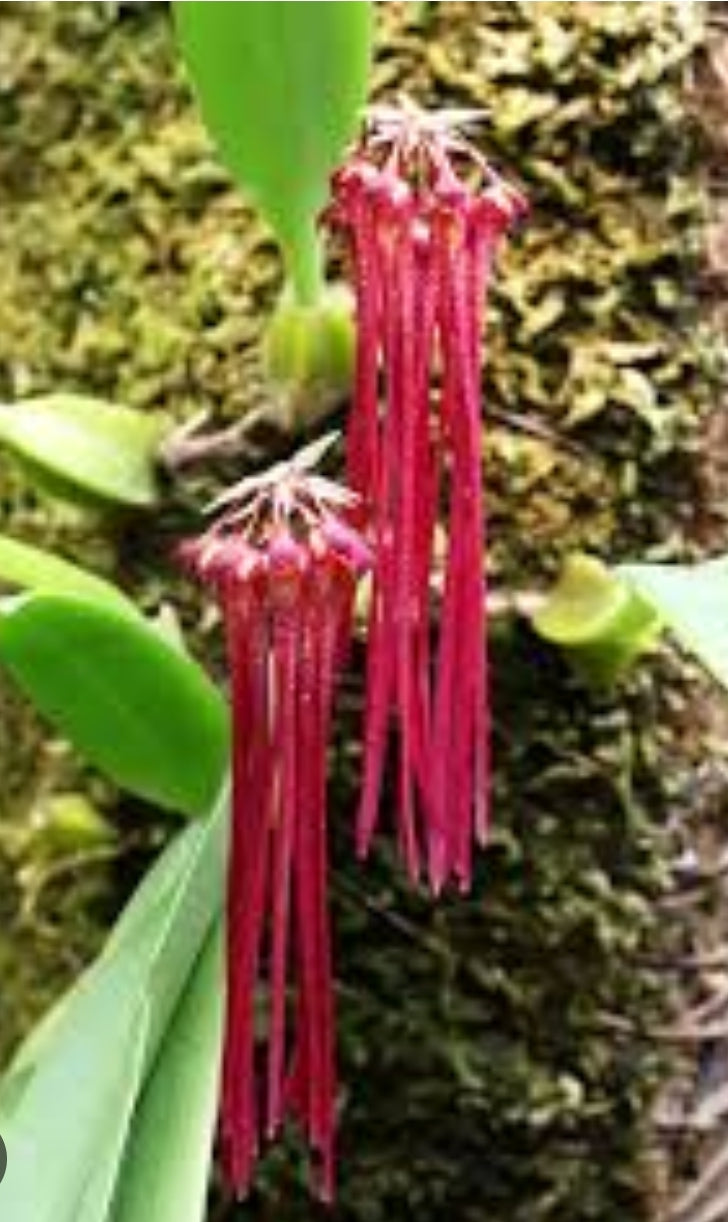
x: 142, y: 1022
x: 281, y: 88
x: 600, y: 621
x: 165, y: 1172
x: 85, y: 449
x: 26, y: 567
x: 98, y: 1193
x: 190, y: 866
x: 80, y: 1104
x: 132, y: 704
x: 692, y: 600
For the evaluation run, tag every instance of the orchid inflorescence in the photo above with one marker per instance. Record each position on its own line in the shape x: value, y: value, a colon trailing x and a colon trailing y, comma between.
x: 422, y: 234
x: 284, y: 558
x: 422, y: 215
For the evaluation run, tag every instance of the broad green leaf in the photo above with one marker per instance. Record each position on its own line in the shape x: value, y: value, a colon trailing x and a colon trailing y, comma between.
x: 692, y: 600
x: 79, y: 1103
x: 98, y: 1195
x: 194, y: 901
x: 197, y: 854
x: 161, y: 925
x: 25, y: 567
x: 100, y: 1062
x: 98, y: 1188
x: 281, y: 88
x: 132, y: 704
x: 165, y: 1173
x: 85, y: 449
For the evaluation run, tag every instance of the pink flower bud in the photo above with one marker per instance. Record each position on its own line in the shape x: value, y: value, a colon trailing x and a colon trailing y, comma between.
x: 348, y: 544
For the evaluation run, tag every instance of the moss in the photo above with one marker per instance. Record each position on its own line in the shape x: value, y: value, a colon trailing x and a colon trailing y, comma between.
x: 484, y: 1074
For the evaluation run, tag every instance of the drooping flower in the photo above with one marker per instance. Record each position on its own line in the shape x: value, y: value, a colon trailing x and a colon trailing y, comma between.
x: 284, y: 558
x: 423, y: 215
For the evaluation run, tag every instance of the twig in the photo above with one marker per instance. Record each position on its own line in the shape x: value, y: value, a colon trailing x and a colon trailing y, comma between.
x: 524, y: 603
x: 681, y: 1034
x: 712, y: 960
x: 692, y: 1206
x: 534, y: 427
x: 188, y: 446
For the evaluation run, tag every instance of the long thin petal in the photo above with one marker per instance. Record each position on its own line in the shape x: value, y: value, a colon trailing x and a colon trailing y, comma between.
x: 285, y: 650
x: 248, y: 869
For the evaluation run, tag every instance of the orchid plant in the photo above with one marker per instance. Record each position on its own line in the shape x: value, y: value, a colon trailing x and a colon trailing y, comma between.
x: 215, y: 995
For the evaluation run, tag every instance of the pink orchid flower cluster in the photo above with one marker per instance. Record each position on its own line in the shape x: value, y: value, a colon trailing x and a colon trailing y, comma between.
x: 422, y: 215
x: 422, y: 241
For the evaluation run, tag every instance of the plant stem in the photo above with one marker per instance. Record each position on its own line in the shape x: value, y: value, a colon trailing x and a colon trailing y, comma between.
x: 304, y: 260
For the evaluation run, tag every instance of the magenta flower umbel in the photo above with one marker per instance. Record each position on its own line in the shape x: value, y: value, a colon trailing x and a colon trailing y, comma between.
x: 284, y: 559
x: 423, y: 215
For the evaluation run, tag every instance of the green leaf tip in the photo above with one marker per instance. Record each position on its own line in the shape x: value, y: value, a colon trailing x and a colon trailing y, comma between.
x: 597, y: 618
x: 25, y: 567
x: 84, y: 449
x: 133, y: 705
